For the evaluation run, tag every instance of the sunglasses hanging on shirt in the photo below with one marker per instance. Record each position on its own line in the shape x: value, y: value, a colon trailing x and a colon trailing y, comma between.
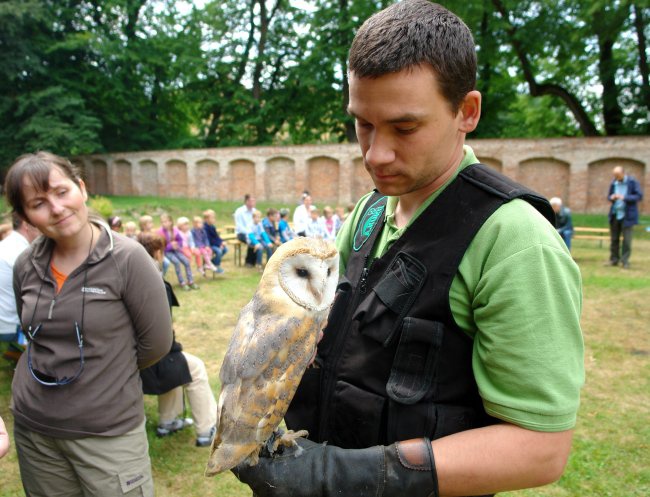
x: 52, y: 380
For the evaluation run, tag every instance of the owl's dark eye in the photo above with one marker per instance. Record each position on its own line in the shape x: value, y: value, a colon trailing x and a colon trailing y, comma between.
x: 303, y: 273
x: 329, y: 271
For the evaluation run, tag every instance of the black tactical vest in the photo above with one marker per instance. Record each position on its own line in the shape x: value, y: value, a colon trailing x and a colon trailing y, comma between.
x: 392, y: 364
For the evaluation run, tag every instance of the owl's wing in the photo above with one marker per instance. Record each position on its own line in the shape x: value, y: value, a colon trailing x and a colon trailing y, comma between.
x: 266, y: 358
x: 260, y: 338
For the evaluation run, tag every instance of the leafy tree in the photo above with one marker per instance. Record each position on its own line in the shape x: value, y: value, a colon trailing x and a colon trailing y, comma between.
x: 39, y: 109
x: 580, y: 52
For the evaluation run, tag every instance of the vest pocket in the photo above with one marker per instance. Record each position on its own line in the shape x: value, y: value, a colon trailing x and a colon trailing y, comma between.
x: 357, y: 416
x: 414, y: 366
x: 381, y: 312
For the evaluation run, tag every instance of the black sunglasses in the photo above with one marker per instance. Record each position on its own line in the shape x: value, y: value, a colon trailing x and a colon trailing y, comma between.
x: 46, y: 379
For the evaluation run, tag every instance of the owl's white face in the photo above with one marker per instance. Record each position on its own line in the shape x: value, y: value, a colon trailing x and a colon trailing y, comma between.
x: 309, y: 280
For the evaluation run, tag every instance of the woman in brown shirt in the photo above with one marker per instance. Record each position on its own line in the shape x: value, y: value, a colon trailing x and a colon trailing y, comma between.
x: 94, y: 309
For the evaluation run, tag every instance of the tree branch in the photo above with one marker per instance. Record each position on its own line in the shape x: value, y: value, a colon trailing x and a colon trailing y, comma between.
x: 536, y: 89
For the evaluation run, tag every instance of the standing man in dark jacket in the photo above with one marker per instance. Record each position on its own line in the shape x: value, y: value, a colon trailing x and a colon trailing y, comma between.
x: 452, y: 359
x: 624, y: 194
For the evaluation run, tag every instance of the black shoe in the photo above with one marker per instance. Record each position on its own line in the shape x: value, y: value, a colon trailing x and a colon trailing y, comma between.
x: 177, y: 424
x: 611, y: 263
x: 205, y: 439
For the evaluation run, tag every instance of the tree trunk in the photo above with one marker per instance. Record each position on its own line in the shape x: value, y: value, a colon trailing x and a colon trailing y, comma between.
x: 612, y: 114
x: 607, y: 24
x: 344, y: 36
x: 538, y: 89
x: 639, y: 24
x: 261, y: 46
x: 217, y: 111
x: 132, y: 14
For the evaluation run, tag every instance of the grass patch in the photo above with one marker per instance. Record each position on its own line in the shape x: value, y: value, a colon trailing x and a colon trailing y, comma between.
x: 612, y: 437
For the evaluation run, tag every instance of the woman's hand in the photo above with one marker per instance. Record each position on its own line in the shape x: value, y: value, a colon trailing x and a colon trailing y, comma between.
x: 4, y: 439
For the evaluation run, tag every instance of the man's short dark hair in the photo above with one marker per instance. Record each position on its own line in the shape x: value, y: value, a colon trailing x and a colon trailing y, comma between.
x: 412, y: 33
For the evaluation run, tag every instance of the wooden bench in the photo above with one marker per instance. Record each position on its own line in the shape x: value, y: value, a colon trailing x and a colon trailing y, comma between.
x: 236, y: 245
x: 228, y: 235
x: 584, y: 233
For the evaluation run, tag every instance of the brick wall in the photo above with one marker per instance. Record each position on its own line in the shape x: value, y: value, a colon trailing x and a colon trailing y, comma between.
x: 576, y: 169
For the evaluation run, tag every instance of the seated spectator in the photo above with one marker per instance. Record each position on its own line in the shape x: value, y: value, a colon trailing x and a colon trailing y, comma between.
x: 173, y: 252
x: 189, y: 247
x: 301, y: 215
x: 176, y: 373
x: 259, y: 241
x: 315, y: 228
x: 146, y: 226
x: 330, y: 223
x: 270, y: 224
x: 563, y: 222
x: 131, y: 230
x: 340, y: 215
x: 200, y: 238
x: 286, y: 233
x: 19, y: 238
x: 216, y: 244
x: 243, y: 217
x: 115, y: 223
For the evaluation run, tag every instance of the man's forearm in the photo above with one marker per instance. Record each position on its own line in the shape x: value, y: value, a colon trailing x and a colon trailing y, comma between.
x: 499, y: 458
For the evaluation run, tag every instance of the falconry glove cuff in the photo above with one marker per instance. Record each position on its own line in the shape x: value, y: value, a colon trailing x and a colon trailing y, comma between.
x: 313, y: 470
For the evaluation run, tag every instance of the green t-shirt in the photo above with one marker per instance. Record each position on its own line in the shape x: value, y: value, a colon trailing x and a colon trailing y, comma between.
x: 518, y: 294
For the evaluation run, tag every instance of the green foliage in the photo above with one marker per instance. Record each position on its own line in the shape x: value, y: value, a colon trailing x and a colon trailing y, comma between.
x: 80, y: 77
x: 56, y: 120
x: 101, y: 205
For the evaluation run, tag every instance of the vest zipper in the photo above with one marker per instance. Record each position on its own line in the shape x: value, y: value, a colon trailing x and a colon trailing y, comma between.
x: 329, y: 376
x: 363, y: 281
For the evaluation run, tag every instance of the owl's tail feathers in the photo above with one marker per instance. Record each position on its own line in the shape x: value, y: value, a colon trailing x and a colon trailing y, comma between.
x: 228, y: 455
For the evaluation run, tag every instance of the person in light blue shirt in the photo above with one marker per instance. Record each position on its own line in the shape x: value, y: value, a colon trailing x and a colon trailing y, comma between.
x: 259, y: 241
x: 286, y: 233
x: 624, y: 194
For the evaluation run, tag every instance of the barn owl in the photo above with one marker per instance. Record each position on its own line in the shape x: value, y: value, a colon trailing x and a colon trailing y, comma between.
x: 273, y: 343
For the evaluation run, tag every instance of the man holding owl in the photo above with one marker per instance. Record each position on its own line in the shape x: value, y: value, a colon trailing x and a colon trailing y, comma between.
x: 453, y: 356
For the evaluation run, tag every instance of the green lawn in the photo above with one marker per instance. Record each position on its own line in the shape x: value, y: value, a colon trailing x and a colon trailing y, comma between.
x: 611, y: 444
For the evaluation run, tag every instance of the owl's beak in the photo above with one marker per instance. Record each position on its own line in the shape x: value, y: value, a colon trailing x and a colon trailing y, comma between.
x: 317, y: 292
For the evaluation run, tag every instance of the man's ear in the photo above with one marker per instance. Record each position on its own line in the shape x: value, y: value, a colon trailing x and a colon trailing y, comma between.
x: 470, y: 111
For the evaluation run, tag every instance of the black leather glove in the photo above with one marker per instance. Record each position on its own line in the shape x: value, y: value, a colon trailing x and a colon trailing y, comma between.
x: 320, y: 470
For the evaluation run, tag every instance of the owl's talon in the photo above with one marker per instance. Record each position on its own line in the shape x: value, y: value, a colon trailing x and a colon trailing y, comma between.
x: 288, y: 438
x: 280, y: 439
